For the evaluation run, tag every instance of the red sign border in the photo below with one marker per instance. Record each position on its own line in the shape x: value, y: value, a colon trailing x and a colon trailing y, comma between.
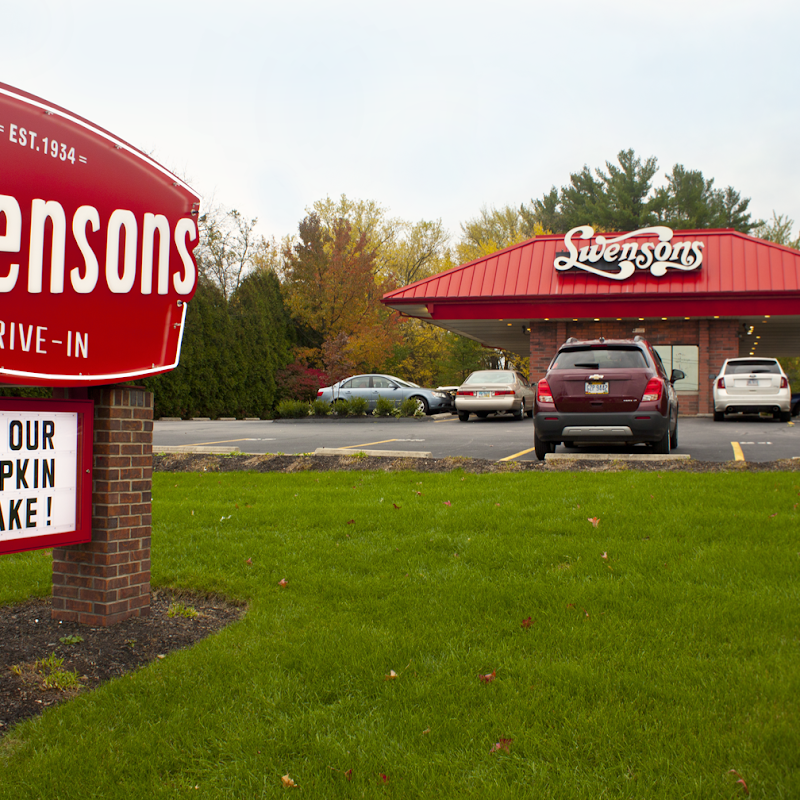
x: 84, y: 483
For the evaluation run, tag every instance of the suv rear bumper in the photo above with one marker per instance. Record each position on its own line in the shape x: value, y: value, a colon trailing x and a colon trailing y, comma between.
x: 627, y: 427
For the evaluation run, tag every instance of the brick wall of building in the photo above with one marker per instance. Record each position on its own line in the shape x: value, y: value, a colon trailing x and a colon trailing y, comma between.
x: 716, y: 339
x: 108, y: 580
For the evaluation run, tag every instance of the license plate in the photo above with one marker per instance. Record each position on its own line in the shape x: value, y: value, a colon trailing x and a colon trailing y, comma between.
x: 597, y: 388
x: 484, y: 394
x: 752, y: 381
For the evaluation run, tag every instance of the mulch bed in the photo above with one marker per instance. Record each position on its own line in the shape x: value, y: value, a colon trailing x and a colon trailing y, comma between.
x: 28, y: 635
x: 202, y: 462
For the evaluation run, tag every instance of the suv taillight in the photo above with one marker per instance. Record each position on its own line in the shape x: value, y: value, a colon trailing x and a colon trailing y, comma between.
x: 543, y: 393
x: 319, y: 392
x: 652, y: 390
x: 784, y: 382
x: 720, y: 383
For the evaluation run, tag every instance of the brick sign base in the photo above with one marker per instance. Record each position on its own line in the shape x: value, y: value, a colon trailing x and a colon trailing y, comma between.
x: 108, y: 580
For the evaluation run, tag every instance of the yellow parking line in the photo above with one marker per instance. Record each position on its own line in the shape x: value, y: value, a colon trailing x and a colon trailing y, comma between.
x: 449, y: 419
x: 738, y: 455
x: 347, y: 446
x: 516, y: 455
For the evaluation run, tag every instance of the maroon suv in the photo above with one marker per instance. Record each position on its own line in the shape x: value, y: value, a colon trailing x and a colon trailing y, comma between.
x: 606, y: 391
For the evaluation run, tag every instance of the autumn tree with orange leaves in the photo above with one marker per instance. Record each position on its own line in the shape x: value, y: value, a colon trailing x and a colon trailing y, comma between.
x: 333, y: 292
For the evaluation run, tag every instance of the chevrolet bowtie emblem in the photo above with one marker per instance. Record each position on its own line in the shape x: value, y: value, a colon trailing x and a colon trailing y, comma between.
x: 595, y: 377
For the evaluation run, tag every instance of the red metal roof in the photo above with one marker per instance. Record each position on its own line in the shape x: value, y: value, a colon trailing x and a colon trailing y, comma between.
x: 738, y: 275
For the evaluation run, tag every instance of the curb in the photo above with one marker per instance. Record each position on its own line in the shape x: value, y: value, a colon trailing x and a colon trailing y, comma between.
x: 615, y: 457
x: 341, y: 451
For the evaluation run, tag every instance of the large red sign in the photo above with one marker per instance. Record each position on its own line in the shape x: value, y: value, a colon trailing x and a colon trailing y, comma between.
x: 96, y: 251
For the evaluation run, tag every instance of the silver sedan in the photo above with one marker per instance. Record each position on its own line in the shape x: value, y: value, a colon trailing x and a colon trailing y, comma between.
x: 494, y: 390
x: 370, y: 387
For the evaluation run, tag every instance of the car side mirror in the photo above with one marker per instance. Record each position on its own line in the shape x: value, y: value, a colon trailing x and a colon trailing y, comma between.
x: 677, y: 375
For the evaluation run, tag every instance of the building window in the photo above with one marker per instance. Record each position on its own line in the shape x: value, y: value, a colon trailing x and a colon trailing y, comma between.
x: 685, y: 357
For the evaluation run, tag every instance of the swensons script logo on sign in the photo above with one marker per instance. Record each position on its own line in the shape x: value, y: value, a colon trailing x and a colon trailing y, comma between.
x: 38, y: 473
x: 618, y: 258
x: 96, y: 251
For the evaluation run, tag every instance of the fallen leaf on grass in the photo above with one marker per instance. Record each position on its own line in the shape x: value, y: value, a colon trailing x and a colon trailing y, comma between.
x: 419, y: 493
x: 391, y: 676
x: 287, y: 781
x: 488, y: 678
x: 526, y: 623
x: 744, y: 785
x: 349, y: 774
x: 283, y: 582
x: 594, y: 520
x: 249, y: 561
x: 503, y: 744
x: 605, y: 556
x: 427, y: 730
x: 396, y: 506
x: 384, y: 778
x: 447, y: 503
x: 351, y: 522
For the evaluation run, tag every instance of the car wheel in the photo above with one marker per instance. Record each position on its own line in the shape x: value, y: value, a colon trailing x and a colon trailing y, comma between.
x: 520, y: 412
x: 541, y: 448
x: 422, y: 404
x: 786, y: 416
x: 481, y: 414
x: 719, y: 416
x: 661, y: 447
x: 463, y: 416
x: 673, y: 439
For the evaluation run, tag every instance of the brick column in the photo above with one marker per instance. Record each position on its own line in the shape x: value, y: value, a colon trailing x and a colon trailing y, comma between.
x: 108, y: 579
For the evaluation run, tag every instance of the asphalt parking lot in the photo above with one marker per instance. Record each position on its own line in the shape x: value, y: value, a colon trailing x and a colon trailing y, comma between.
x: 495, y: 438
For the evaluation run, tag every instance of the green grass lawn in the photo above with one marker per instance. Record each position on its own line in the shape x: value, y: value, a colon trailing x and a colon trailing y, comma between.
x: 663, y: 648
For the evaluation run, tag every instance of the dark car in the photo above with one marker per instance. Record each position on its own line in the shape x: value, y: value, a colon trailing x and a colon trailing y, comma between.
x: 606, y: 391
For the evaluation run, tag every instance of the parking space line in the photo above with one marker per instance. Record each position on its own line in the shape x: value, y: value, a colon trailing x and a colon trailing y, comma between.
x: 516, y: 455
x: 450, y: 419
x: 383, y: 441
x: 226, y: 441
x: 738, y: 455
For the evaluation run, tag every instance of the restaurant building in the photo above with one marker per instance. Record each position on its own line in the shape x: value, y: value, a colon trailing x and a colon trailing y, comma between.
x: 698, y: 296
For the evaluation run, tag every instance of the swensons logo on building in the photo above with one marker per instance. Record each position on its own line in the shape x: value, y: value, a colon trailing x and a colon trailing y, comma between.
x: 618, y: 258
x: 38, y: 473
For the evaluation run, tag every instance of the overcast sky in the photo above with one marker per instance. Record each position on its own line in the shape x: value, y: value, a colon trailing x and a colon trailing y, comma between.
x: 431, y: 108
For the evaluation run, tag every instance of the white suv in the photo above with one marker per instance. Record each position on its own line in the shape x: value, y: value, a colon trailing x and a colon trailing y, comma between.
x: 752, y: 386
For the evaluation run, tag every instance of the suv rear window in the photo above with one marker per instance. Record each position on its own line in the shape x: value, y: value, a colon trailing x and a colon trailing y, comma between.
x: 600, y: 358
x: 752, y: 365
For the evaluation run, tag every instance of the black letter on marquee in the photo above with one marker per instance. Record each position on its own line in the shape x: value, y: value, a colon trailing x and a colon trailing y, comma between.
x: 48, y: 473
x: 30, y: 513
x: 13, y: 514
x: 48, y: 429
x: 21, y: 470
x: 35, y: 445
x: 15, y: 425
x: 6, y: 471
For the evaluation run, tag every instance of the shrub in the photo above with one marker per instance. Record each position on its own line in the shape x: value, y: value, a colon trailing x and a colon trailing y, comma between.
x: 320, y: 408
x: 292, y: 409
x: 357, y: 406
x: 340, y: 407
x: 410, y: 408
x: 297, y: 382
x: 384, y: 407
